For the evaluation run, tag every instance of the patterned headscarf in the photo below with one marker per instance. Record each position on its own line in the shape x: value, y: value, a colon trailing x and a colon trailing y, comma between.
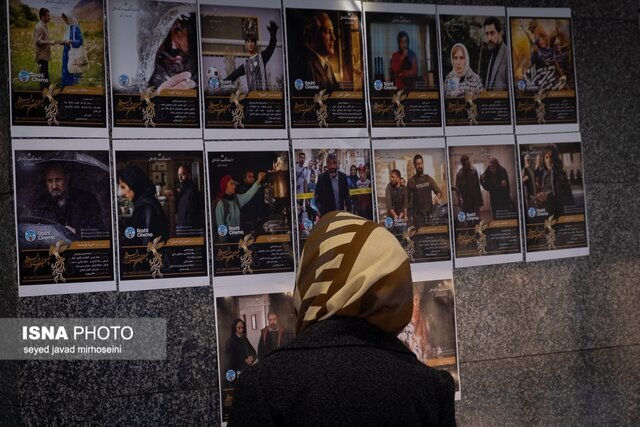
x: 353, y: 267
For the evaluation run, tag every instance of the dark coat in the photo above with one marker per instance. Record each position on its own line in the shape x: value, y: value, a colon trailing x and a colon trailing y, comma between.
x: 148, y: 213
x: 343, y: 371
x: 189, y: 206
x: 324, y: 194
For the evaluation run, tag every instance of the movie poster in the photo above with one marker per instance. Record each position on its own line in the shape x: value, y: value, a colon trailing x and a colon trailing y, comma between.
x: 154, y: 69
x: 326, y: 68
x: 412, y: 197
x: 431, y: 334
x: 553, y: 194
x: 251, y: 323
x: 250, y: 198
x: 57, y: 73
x: 404, y: 87
x: 243, y: 69
x: 484, y: 193
x: 475, y: 70
x: 316, y: 165
x: 63, y: 216
x: 544, y: 78
x: 161, y: 215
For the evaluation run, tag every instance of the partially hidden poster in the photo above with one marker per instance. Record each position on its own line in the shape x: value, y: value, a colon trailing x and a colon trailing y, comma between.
x: 57, y: 68
x: 251, y: 321
x: 484, y: 191
x: 475, y: 70
x: 155, y: 82
x: 251, y: 219
x: 242, y: 48
x: 553, y: 193
x: 411, y: 196
x: 544, y: 75
x: 63, y: 216
x: 404, y: 83
x: 161, y: 215
x: 328, y: 176
x: 326, y: 78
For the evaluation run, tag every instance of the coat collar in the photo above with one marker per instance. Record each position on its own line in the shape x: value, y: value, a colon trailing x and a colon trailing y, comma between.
x: 345, y: 332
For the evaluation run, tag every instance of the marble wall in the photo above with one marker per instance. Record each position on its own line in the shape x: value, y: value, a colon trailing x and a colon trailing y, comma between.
x: 553, y: 342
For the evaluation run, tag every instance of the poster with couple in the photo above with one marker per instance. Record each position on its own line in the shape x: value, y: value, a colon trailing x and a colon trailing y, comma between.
x: 57, y: 68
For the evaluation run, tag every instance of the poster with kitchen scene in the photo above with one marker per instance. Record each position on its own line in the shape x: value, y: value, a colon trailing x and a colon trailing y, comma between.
x: 402, y: 55
x: 432, y: 332
x: 544, y: 74
x: 412, y: 200
x: 484, y: 194
x: 553, y: 195
x: 161, y: 216
x: 474, y: 55
x: 64, y: 238
x: 57, y: 68
x: 250, y: 206
x: 242, y: 58
x: 330, y: 175
x: 325, y: 58
x: 154, y: 55
x: 251, y: 321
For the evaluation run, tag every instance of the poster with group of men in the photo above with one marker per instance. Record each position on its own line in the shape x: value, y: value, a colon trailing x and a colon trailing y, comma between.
x: 237, y: 124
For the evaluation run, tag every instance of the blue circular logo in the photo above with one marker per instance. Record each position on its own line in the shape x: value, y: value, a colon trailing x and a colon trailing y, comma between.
x: 461, y: 216
x: 299, y: 84
x: 129, y: 232
x: 23, y: 76
x: 377, y: 85
x: 30, y: 235
x: 388, y: 222
x: 124, y: 80
x: 522, y: 85
x: 532, y: 212
x: 214, y: 83
x: 222, y: 230
x: 307, y: 224
x: 231, y: 375
x: 452, y: 85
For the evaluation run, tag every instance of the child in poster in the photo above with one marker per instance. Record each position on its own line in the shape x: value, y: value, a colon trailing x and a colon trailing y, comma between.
x: 244, y: 83
x: 161, y: 215
x: 403, y: 67
x: 250, y: 212
x: 156, y: 84
x: 416, y: 213
x: 326, y: 77
x: 63, y: 214
x: 475, y: 68
x: 57, y: 64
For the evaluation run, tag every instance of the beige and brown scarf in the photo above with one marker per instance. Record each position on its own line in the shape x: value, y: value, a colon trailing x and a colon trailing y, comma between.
x: 351, y: 266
